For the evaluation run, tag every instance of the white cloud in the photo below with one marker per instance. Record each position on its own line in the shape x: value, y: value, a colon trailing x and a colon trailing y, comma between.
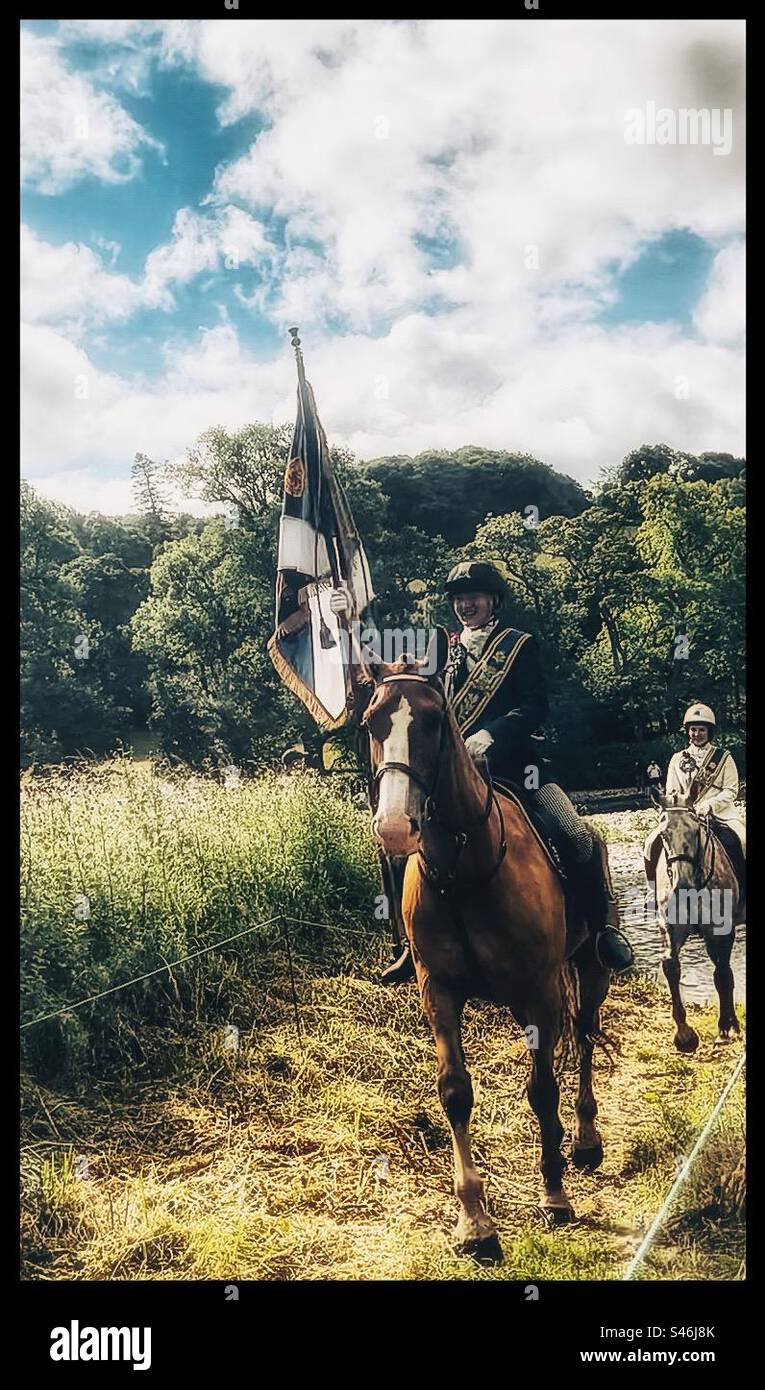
x: 506, y: 139
x: 69, y: 285
x: 110, y: 496
x: 227, y: 237
x: 720, y: 314
x: 578, y: 403
x: 76, y: 417
x: 502, y: 134
x: 65, y: 401
x: 70, y: 129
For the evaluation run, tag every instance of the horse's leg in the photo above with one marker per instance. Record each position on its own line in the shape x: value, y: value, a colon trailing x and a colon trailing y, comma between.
x: 594, y: 980
x: 718, y: 950
x: 544, y: 1099
x: 674, y: 938
x: 475, y: 1233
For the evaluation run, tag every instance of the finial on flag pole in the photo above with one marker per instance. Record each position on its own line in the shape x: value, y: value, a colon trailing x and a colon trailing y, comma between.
x: 293, y: 332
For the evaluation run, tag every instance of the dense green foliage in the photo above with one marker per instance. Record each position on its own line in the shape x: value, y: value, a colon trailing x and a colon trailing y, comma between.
x: 159, y: 621
x: 450, y: 494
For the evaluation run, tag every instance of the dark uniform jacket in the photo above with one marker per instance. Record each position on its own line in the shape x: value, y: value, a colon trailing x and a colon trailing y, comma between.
x: 505, y: 693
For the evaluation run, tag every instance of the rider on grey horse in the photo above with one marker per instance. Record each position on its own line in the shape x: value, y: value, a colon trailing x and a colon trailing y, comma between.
x: 496, y: 690
x: 706, y: 775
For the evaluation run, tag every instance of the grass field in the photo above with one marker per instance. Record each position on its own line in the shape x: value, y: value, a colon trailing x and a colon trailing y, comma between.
x: 159, y: 1144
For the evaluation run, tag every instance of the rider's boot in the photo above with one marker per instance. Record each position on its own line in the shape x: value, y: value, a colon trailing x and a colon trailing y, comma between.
x: 401, y: 968
x: 611, y: 945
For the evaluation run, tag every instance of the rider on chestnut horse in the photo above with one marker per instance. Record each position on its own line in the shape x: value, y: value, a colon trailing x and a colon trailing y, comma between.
x: 496, y: 689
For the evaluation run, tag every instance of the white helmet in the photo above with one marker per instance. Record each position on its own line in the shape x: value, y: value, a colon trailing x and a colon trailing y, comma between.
x: 699, y: 714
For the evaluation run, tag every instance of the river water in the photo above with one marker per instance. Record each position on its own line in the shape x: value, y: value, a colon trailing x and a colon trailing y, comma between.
x: 625, y: 856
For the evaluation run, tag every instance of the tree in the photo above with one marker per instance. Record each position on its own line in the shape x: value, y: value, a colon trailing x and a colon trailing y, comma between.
x: 693, y: 537
x: 64, y: 709
x: 106, y: 593
x: 636, y: 595
x: 242, y: 469
x: 450, y: 494
x: 148, y: 489
x: 203, y: 631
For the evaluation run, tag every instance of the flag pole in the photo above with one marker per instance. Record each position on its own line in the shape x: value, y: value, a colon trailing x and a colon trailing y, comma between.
x: 354, y: 653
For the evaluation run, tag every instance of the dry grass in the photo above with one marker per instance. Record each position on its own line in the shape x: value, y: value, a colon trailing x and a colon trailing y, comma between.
x: 149, y: 1151
x: 265, y: 1164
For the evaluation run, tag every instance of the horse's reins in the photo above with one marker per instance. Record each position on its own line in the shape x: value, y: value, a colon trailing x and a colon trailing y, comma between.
x: 430, y: 813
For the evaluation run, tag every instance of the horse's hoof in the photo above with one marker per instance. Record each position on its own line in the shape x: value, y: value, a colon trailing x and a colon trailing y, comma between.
x: 723, y: 1039
x: 485, y: 1250
x: 557, y: 1216
x: 588, y: 1159
x: 687, y: 1042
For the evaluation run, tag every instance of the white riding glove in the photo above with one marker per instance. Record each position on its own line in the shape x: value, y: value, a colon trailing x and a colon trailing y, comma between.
x: 340, y: 600
x: 478, y: 743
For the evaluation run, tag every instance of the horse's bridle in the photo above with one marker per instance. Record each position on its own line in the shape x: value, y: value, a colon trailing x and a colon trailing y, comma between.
x: 695, y: 860
x: 462, y: 833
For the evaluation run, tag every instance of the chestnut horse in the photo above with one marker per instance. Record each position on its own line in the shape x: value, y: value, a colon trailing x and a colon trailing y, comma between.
x: 484, y: 913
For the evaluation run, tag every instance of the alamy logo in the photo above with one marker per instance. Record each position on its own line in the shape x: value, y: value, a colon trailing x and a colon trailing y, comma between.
x: 680, y: 126
x: 75, y: 1343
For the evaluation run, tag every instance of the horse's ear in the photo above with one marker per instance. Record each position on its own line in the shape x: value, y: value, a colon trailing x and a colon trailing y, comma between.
x: 371, y: 669
x: 658, y: 799
x: 437, y: 653
x: 370, y: 661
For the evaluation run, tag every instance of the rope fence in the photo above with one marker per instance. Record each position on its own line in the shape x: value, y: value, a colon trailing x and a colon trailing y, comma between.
x: 282, y: 917
x: 682, y: 1175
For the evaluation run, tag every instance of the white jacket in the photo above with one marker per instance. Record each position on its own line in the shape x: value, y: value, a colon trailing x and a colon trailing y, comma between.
x: 719, y: 797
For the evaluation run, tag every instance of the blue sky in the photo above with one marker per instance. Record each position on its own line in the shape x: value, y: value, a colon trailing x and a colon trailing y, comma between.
x: 191, y: 187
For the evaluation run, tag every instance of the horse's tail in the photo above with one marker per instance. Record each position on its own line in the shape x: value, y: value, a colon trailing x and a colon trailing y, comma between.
x: 568, y: 1051
x: 574, y: 1034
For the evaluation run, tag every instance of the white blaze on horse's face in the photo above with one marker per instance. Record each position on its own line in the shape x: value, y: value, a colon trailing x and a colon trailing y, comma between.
x: 396, y: 823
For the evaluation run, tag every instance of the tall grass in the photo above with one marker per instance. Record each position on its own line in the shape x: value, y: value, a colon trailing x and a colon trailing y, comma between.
x: 124, y: 870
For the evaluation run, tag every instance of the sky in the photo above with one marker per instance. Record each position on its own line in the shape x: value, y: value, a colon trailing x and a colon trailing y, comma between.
x: 457, y: 214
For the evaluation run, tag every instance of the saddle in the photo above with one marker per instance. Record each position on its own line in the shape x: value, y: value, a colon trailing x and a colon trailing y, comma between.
x: 514, y: 793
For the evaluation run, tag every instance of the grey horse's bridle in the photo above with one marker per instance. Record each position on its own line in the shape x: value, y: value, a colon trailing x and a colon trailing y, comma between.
x: 695, y: 860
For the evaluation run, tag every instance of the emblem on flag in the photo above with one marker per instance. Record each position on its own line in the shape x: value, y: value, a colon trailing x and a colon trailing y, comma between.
x: 294, y: 478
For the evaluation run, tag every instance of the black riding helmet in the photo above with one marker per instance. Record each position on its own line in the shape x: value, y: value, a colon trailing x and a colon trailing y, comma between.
x: 475, y: 577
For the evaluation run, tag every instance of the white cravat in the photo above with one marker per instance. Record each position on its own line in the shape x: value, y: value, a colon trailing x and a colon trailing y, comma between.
x: 474, y: 639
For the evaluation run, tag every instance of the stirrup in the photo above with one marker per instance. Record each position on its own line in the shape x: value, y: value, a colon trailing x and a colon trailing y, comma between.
x: 614, y: 950
x: 400, y: 970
